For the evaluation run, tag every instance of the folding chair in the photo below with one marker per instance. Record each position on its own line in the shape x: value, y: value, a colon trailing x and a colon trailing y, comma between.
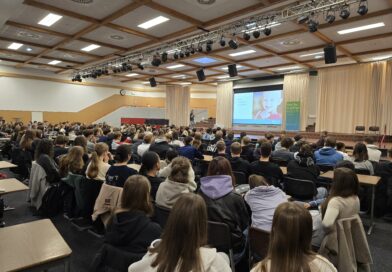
x: 161, y: 215
x: 300, y: 189
x: 258, y: 245
x: 240, y: 178
x: 219, y: 237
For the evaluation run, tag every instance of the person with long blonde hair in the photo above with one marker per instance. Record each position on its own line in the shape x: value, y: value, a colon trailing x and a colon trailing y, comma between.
x: 72, y: 162
x: 99, y: 165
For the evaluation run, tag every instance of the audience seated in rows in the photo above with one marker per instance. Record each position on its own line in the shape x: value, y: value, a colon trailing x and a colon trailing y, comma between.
x: 361, y: 158
x: 341, y: 148
x: 328, y: 155
x: 373, y: 151
x: 247, y: 148
x: 303, y: 166
x: 238, y: 164
x: 221, y: 150
x: 160, y: 146
x: 189, y: 151
x: 59, y: 146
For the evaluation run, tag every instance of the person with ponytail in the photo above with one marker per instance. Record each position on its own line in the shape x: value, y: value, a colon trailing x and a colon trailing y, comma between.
x: 290, y: 243
x: 119, y: 172
x: 149, y: 168
x: 183, y: 246
x: 98, y: 166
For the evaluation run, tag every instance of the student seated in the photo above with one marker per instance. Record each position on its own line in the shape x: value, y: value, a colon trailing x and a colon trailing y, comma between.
x: 263, y: 167
x: 116, y: 140
x: 59, y: 146
x: 160, y: 146
x: 176, y: 184
x: 373, y: 151
x: 183, y: 246
x: 189, y: 151
x: 44, y: 157
x: 247, y: 149
x: 341, y: 148
x: 328, y: 154
x: 323, y: 137
x: 82, y: 142
x: 221, y: 149
x: 238, y: 164
x: 131, y: 228
x: 303, y: 165
x: 218, y: 137
x: 223, y: 204
x: 284, y: 154
x: 290, y: 243
x: 298, y: 142
x: 263, y: 199
x: 149, y: 168
x: 361, y: 158
x: 119, y: 172
x: 384, y: 170
x: 98, y: 166
x: 72, y: 162
x: 145, y: 146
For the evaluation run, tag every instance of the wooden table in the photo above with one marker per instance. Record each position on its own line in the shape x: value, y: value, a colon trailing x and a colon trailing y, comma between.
x: 11, y: 185
x: 33, y: 246
x: 134, y: 166
x: 284, y: 170
x: 5, y: 164
x: 208, y: 158
x: 365, y: 180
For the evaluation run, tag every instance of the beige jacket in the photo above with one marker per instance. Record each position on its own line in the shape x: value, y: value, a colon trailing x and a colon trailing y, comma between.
x: 346, y: 246
x: 109, y: 198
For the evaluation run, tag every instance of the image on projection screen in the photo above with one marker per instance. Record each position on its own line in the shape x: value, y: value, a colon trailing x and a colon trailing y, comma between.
x: 258, y: 108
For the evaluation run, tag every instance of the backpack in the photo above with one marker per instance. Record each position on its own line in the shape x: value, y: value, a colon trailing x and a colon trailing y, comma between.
x: 52, y: 201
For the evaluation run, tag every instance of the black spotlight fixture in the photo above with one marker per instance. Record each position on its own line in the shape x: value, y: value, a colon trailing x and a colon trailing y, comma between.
x: 200, y: 48
x: 153, y: 82
x: 363, y: 8
x: 200, y: 75
x: 246, y: 36
x: 256, y: 34
x: 156, y: 61
x: 182, y: 55
x: 345, y: 12
x: 267, y: 31
x: 208, y: 47
x: 313, y: 26
x: 193, y: 51
x: 303, y: 19
x: 140, y: 66
x: 233, y: 44
x: 187, y: 53
x: 164, y: 57
x: 330, y: 17
x: 222, y: 42
x: 232, y: 68
x: 175, y: 56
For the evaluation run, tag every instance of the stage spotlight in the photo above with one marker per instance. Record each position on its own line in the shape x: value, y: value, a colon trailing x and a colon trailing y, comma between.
x: 140, y: 66
x: 200, y: 75
x: 175, y: 55
x: 164, y: 57
x: 246, y: 36
x: 99, y: 72
x: 222, y: 42
x: 187, y: 53
x: 193, y: 51
x: 182, y: 55
x: 330, y: 18
x: 106, y: 72
x: 208, y: 47
x: 267, y: 31
x: 313, y: 26
x: 233, y: 44
x: 363, y: 7
x: 303, y: 19
x: 153, y: 82
x: 345, y: 12
x: 156, y: 61
x: 93, y: 75
x: 210, y: 42
x: 256, y: 34
x: 200, y: 48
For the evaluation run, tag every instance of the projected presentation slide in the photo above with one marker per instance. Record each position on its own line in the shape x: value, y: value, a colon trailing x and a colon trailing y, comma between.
x: 258, y: 107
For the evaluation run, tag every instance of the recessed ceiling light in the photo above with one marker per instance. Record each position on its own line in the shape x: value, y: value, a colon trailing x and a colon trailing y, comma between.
x: 185, y: 83
x: 117, y: 37
x: 91, y: 47
x: 311, y: 54
x: 204, y: 60
x: 175, y: 66
x: 382, y: 57
x: 153, y: 22
x: 360, y: 28
x: 54, y: 62
x: 289, y: 68
x: 50, y: 19
x: 291, y: 42
x: 29, y: 49
x: 242, y: 53
x: 132, y: 75
x: 227, y: 68
x: 15, y: 46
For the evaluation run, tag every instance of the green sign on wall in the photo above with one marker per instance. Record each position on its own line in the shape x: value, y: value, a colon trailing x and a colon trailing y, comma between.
x: 293, y: 115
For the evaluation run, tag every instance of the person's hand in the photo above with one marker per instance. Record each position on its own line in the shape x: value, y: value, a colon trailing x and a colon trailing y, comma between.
x: 306, y: 205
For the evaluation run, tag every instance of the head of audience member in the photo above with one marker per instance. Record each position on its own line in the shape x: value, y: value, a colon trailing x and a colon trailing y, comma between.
x: 61, y: 140
x: 123, y: 154
x: 89, y: 134
x: 44, y: 147
x: 197, y: 136
x: 82, y: 142
x: 99, y: 155
x: 196, y: 144
x: 221, y: 147
x: 286, y: 142
x: 175, y: 135
x: 289, y: 248
x: 344, y: 184
x: 242, y: 134
x: 150, y: 164
x: 147, y: 139
x: 117, y: 136
x: 27, y: 139
x: 369, y: 140
x: 188, y: 140
x: 256, y: 181
x: 220, y: 166
x: 246, y: 141
x: 265, y: 151
x: 298, y: 137
x: 269, y: 137
x: 136, y: 195
x: 183, y: 236
x: 170, y: 155
x: 340, y: 146
x: 324, y: 134
x: 72, y: 162
x: 230, y: 136
x: 235, y: 150
x: 330, y: 142
x: 180, y: 167
x: 360, y: 152
x: 208, y: 130
x: 218, y: 135
x: 305, y: 156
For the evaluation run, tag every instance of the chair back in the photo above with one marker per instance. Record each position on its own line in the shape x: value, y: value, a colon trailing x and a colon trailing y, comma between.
x: 300, y: 189
x: 360, y: 129
x: 219, y: 237
x: 325, y: 167
x: 362, y: 171
x: 161, y: 215
x: 258, y: 245
x: 279, y: 161
x: 374, y: 129
x: 240, y: 178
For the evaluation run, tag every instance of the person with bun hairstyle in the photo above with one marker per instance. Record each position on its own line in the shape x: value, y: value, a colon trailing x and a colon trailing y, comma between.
x: 149, y: 168
x: 176, y: 184
x: 183, y: 246
x: 119, y: 172
x: 98, y: 165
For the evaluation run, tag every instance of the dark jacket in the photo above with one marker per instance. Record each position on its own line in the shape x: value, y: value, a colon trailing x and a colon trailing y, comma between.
x: 240, y: 165
x: 154, y: 182
x: 247, y: 152
x: 58, y: 151
x: 383, y: 199
x: 190, y: 152
x: 298, y: 171
x: 50, y: 167
x: 282, y: 154
x: 160, y: 147
x: 226, y: 206
x: 269, y: 170
x: 132, y: 231
x: 117, y: 175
